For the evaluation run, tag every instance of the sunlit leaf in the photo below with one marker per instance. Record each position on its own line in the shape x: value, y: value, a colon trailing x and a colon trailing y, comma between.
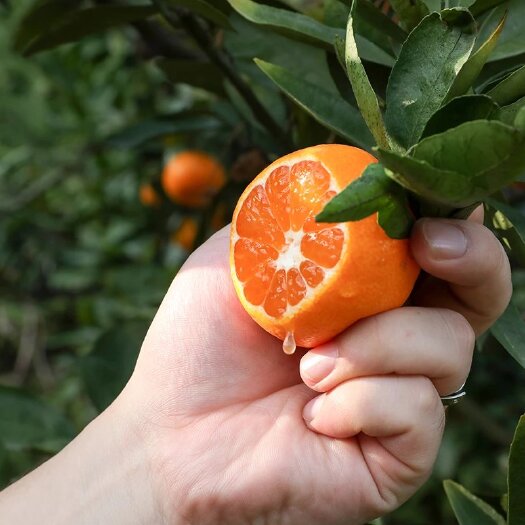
x: 425, y: 72
x: 363, y: 90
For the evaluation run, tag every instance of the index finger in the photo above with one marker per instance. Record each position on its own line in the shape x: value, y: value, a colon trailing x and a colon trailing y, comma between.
x: 469, y: 269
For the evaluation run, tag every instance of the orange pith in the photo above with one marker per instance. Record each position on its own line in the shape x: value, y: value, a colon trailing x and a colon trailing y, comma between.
x: 294, y: 275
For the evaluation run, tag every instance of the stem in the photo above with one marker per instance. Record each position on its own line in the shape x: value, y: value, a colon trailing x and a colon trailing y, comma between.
x: 200, y: 34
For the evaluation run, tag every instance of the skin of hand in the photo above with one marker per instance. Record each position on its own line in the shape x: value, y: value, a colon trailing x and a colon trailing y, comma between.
x: 218, y: 426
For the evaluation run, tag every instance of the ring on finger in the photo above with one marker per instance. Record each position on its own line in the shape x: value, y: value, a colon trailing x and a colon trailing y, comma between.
x: 455, y: 397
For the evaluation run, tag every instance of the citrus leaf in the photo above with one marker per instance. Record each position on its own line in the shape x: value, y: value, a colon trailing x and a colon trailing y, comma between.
x: 508, y: 114
x: 108, y: 367
x: 425, y: 72
x: 509, y: 330
x: 512, y: 40
x: 474, y: 149
x: 39, y: 18
x: 292, y: 24
x: 447, y: 188
x: 203, y: 75
x: 480, y: 6
x: 329, y: 109
x: 363, y: 90
x: 72, y: 26
x: 460, y: 110
x: 509, y: 225
x: 372, y: 192
x: 304, y: 28
x: 207, y: 10
x: 138, y: 134
x: 28, y: 422
x: 510, y: 89
x: 469, y: 509
x: 410, y: 12
x: 516, y: 476
x: 473, y: 66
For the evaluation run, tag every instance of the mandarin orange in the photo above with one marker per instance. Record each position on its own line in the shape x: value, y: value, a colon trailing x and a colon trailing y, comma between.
x: 304, y: 281
x: 192, y: 178
x: 186, y: 234
x: 148, y: 196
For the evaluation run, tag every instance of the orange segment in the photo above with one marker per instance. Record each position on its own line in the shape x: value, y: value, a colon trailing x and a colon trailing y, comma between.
x: 324, y: 247
x: 251, y: 256
x: 295, y: 286
x: 309, y: 181
x: 276, y: 299
x: 278, y: 191
x: 313, y: 275
x: 307, y: 281
x: 257, y: 222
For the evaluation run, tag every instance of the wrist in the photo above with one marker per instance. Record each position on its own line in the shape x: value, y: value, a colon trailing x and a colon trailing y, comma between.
x: 101, y: 477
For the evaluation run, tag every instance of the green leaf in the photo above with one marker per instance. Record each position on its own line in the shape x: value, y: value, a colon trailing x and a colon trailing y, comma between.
x: 510, y: 89
x: 480, y: 6
x: 363, y: 90
x: 71, y: 26
x: 329, y: 109
x: 469, y: 509
x: 508, y: 114
x: 475, y: 148
x: 425, y: 72
x: 39, y: 18
x: 446, y: 188
x: 203, y: 75
x: 108, y: 367
x: 292, y: 24
x: 410, y: 12
x: 509, y: 225
x: 303, y: 28
x: 461, y: 166
x: 203, y: 8
x: 512, y: 41
x: 460, y: 110
x: 28, y: 422
x: 509, y: 330
x: 372, y: 192
x: 137, y: 134
x: 473, y: 66
x: 516, y: 477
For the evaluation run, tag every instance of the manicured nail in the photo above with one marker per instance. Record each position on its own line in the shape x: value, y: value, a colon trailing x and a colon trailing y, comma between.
x: 318, y: 363
x: 311, y: 409
x: 446, y: 240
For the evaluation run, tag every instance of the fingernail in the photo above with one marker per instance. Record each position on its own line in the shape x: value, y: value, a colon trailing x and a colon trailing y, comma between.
x: 318, y: 363
x: 446, y: 241
x: 312, y: 408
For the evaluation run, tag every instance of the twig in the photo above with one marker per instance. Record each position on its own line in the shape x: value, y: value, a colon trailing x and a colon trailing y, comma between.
x: 200, y: 34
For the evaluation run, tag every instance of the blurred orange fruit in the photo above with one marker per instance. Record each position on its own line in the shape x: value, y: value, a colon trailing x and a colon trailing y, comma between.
x: 186, y: 234
x: 192, y: 178
x: 148, y: 196
x: 304, y: 281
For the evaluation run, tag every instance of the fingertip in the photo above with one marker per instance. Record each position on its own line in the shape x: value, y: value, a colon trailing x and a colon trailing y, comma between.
x: 312, y: 409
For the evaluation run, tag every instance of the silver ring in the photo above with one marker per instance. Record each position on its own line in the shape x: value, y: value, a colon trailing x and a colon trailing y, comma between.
x: 455, y: 397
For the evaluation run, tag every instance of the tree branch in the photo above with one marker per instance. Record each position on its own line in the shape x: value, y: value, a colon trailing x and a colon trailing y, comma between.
x: 200, y: 34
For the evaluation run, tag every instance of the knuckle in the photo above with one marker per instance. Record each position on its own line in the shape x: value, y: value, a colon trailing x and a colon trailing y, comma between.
x: 460, y: 332
x: 427, y: 400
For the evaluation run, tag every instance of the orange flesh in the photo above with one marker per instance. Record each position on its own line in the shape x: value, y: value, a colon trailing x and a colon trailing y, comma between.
x: 282, y: 252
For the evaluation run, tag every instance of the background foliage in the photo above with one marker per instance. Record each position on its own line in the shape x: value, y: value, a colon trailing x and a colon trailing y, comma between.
x: 83, y: 264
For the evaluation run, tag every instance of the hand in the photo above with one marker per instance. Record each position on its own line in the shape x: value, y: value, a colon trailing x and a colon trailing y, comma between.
x: 217, y: 425
x: 235, y: 436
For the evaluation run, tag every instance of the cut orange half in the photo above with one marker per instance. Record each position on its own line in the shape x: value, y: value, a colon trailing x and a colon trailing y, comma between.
x: 304, y: 281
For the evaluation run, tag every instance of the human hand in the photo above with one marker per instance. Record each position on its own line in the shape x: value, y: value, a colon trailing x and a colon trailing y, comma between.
x: 236, y: 436
x: 217, y: 425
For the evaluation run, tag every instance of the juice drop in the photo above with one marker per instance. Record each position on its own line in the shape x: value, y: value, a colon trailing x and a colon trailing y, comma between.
x: 289, y: 345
